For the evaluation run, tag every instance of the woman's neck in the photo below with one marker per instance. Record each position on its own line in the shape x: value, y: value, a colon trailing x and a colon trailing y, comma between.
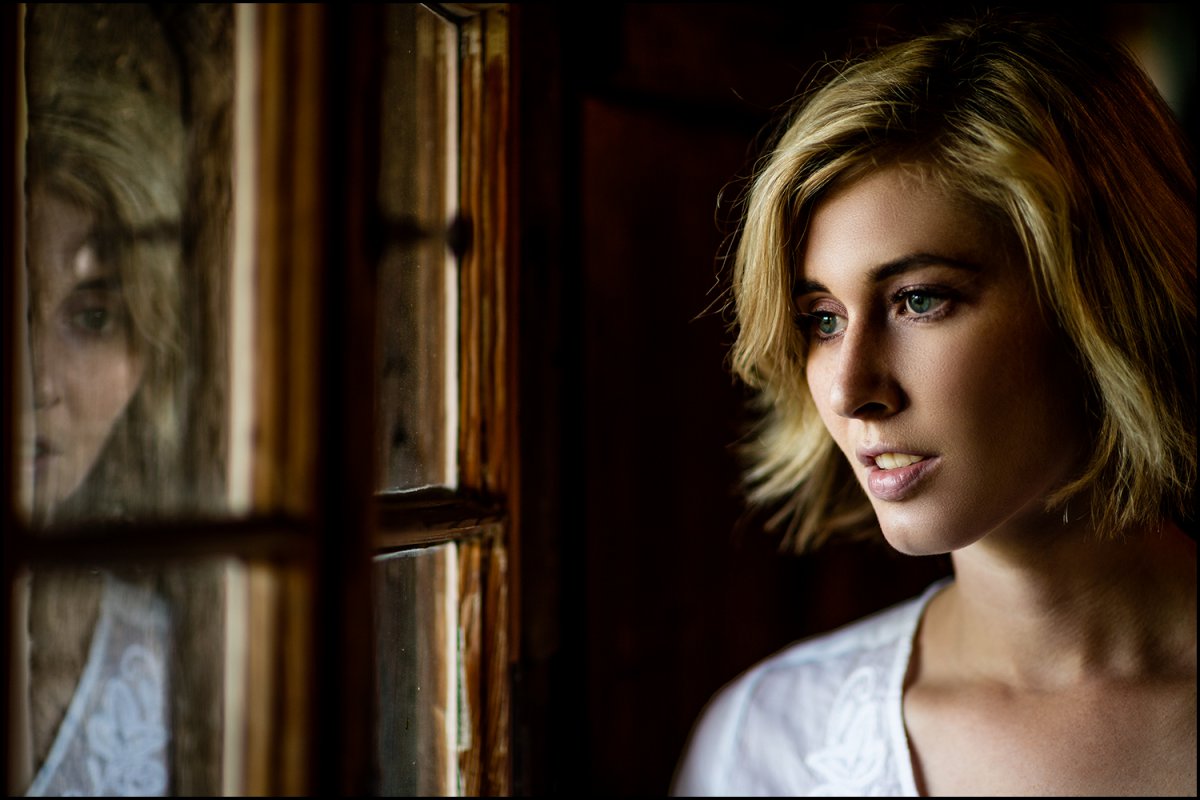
x: 1064, y: 608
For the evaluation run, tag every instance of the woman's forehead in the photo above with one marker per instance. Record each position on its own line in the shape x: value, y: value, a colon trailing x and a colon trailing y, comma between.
x: 895, y: 213
x: 61, y: 246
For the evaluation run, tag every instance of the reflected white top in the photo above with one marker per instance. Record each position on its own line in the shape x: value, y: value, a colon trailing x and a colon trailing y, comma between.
x: 822, y: 717
x: 113, y: 738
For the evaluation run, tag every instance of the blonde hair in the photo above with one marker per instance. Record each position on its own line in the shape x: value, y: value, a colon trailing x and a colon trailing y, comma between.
x: 1067, y: 142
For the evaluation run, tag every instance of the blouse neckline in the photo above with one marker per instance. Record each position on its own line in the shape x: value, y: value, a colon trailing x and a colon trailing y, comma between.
x: 895, y: 689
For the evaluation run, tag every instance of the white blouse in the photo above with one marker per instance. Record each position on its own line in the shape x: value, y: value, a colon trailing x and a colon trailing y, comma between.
x: 822, y: 717
x: 113, y: 739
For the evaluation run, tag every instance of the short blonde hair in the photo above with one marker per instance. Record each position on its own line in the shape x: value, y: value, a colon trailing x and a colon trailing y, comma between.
x: 1065, y: 139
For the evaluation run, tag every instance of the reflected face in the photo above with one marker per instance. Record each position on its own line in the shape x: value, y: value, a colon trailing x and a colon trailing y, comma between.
x: 85, y: 367
x: 932, y: 365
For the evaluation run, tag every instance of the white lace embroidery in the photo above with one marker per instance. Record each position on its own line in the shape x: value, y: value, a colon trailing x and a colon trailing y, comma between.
x: 854, y: 754
x: 114, y: 736
x: 126, y: 735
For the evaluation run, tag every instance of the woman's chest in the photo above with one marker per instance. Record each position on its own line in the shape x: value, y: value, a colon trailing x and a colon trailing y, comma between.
x: 1102, y: 741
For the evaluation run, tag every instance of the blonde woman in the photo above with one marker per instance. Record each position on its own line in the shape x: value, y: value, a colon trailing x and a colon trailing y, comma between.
x: 104, y: 194
x: 965, y: 294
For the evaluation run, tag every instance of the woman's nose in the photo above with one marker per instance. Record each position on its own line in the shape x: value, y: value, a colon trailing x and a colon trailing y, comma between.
x: 865, y: 383
x: 47, y: 384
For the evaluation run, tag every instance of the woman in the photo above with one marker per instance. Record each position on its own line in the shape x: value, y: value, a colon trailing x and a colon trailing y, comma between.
x: 965, y: 294
x: 105, y: 178
x: 127, y: 198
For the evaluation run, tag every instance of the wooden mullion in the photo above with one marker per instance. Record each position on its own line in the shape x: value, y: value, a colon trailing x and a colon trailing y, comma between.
x: 343, y: 644
x: 389, y: 541
x: 500, y: 270
x: 318, y: 164
x: 487, y: 447
x: 472, y: 346
x: 485, y: 754
x: 497, y: 724
x: 488, y: 454
x: 471, y: 555
x: 15, y: 746
x: 143, y: 541
x: 502, y: 455
x: 287, y: 162
x: 15, y: 389
x: 406, y: 521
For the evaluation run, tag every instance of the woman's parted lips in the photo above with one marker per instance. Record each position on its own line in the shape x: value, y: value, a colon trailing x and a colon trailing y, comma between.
x: 868, y: 453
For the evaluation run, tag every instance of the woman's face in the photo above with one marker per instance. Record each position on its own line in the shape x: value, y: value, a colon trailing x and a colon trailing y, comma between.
x: 932, y: 366
x: 85, y: 367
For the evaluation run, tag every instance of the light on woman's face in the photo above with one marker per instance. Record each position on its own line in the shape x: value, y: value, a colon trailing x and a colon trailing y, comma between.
x: 932, y: 365
x: 85, y: 367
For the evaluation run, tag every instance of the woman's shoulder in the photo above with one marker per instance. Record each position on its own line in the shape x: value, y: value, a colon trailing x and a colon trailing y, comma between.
x: 815, y: 716
x: 827, y: 659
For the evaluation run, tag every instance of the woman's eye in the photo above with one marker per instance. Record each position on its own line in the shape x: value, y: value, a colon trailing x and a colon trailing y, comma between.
x: 92, y: 320
x: 825, y: 324
x: 94, y: 314
x: 922, y: 302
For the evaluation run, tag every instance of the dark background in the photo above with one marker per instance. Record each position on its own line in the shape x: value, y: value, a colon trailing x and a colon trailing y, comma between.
x: 645, y: 584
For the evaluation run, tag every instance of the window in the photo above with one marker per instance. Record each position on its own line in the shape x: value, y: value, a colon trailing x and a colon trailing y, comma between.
x: 277, y: 538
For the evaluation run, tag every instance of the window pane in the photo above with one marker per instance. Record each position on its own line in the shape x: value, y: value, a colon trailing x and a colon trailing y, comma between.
x: 127, y: 198
x: 416, y: 634
x: 417, y: 277
x: 126, y: 678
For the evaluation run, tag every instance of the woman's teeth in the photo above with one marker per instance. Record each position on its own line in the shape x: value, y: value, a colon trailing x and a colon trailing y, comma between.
x: 894, y: 460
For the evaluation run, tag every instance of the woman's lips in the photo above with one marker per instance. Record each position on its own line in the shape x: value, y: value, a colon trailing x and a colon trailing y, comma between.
x: 43, y: 451
x: 898, y: 483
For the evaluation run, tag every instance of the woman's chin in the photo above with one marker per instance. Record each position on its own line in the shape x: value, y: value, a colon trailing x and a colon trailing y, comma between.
x: 915, y: 537
x: 51, y: 488
x: 915, y: 545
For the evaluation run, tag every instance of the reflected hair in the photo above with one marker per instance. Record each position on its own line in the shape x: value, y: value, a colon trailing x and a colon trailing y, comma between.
x: 1063, y: 138
x: 117, y: 150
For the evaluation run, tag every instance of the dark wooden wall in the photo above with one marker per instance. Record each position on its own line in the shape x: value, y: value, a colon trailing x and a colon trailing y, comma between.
x: 645, y: 586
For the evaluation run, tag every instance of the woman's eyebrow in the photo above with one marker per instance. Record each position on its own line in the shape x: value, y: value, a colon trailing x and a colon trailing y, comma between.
x: 103, y: 283
x: 891, y: 269
x: 804, y: 286
x: 915, y: 261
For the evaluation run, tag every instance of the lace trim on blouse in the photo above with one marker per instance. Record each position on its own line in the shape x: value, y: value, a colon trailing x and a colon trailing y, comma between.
x: 112, y: 740
x: 855, y: 752
x: 866, y: 727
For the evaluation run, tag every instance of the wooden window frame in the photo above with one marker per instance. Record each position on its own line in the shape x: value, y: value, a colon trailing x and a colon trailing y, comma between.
x: 310, y: 716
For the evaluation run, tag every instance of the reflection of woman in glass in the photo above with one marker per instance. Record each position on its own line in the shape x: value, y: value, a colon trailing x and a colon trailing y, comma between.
x: 104, y: 197
x: 104, y: 204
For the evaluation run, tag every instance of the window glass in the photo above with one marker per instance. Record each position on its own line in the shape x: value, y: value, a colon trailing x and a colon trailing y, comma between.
x: 127, y: 161
x: 417, y: 646
x: 127, y: 193
x: 417, y: 278
x: 127, y: 674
